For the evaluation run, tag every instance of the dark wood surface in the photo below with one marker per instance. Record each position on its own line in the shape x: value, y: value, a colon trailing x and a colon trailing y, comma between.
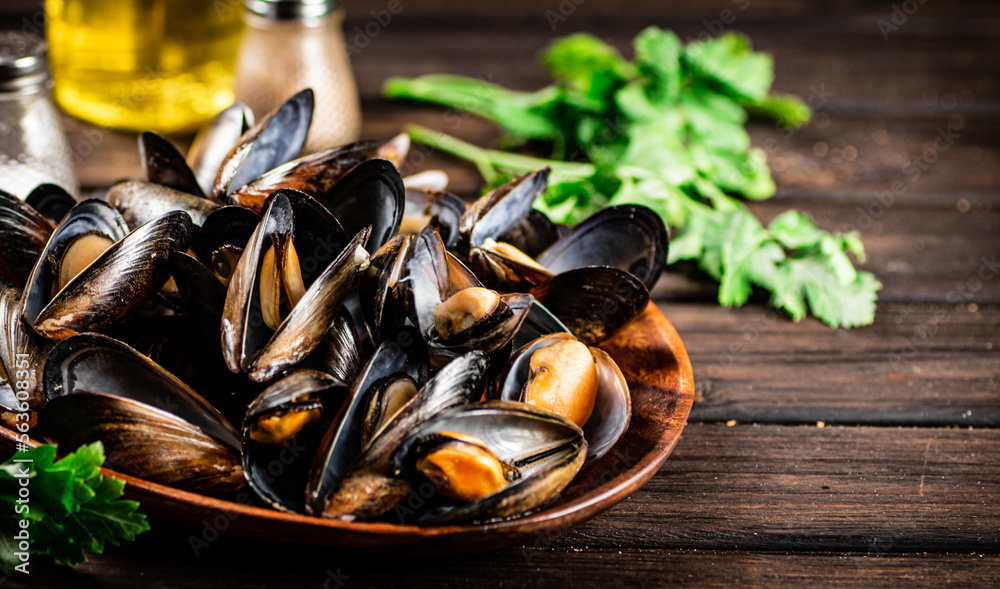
x: 813, y: 456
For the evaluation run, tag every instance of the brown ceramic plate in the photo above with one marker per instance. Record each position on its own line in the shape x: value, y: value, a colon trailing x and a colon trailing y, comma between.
x: 654, y: 361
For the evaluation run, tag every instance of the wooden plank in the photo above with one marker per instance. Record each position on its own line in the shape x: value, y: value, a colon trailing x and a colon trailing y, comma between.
x: 927, y: 64
x: 898, y: 501
x: 771, y: 9
x: 806, y: 488
x: 240, y: 565
x: 927, y: 365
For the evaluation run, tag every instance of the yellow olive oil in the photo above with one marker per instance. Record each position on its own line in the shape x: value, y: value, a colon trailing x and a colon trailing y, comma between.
x: 143, y: 65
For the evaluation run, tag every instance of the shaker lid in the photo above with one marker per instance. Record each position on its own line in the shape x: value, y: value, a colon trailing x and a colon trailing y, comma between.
x: 291, y: 9
x: 22, y: 60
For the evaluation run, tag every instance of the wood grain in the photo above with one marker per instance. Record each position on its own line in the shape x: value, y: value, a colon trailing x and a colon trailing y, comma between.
x: 783, y: 502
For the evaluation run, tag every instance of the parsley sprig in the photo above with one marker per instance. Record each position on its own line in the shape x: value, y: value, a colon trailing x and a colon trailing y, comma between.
x: 71, y: 507
x: 666, y: 130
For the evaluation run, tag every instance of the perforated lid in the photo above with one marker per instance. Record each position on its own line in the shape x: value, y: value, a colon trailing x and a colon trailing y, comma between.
x: 291, y: 9
x: 22, y: 60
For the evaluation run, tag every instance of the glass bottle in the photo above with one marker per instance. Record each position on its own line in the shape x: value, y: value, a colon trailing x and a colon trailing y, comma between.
x: 33, y: 148
x: 143, y: 65
x: 289, y: 45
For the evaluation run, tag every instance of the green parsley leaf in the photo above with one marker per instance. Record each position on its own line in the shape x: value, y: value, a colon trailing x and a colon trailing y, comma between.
x: 667, y: 131
x: 730, y: 63
x: 72, y: 508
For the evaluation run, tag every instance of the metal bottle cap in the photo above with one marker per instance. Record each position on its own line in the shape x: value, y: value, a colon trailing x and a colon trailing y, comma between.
x: 22, y: 61
x: 291, y: 9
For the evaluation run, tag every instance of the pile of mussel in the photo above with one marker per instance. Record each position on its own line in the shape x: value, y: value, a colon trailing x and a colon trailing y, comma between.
x: 319, y: 328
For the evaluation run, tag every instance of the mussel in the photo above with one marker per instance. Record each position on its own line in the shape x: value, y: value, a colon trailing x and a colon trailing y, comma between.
x: 583, y: 384
x: 93, y: 273
x: 152, y: 425
x: 489, y: 461
x: 22, y: 355
x: 24, y: 233
x: 288, y: 286
x: 281, y: 432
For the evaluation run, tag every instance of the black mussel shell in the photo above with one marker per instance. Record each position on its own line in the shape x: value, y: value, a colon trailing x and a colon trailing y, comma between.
x: 51, y: 200
x: 370, y: 194
x: 215, y: 140
x: 369, y: 488
x: 165, y: 165
x: 276, y: 139
x: 544, y: 451
x: 278, y: 473
x: 403, y: 354
x: 140, y: 202
x: 24, y: 233
x: 222, y: 239
x: 314, y: 174
x: 500, y: 210
x: 630, y: 237
x: 594, y: 302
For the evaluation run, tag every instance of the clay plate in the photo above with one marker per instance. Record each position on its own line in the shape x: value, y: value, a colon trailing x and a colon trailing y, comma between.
x: 654, y: 361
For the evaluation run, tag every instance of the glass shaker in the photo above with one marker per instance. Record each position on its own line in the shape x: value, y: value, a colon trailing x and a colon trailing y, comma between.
x: 289, y: 45
x: 33, y: 148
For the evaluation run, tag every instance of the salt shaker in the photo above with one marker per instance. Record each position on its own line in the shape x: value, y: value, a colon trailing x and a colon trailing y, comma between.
x: 33, y: 148
x: 289, y: 45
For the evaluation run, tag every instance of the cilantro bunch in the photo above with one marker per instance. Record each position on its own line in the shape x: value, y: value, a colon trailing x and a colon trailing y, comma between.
x: 665, y: 130
x: 70, y: 506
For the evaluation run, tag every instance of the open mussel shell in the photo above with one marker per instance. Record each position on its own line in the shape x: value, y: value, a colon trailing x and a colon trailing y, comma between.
x: 395, y: 150
x: 51, y: 200
x: 434, y: 208
x: 297, y: 410
x: 612, y: 405
x: 435, y: 276
x: 505, y: 273
x: 314, y: 174
x: 152, y: 425
x: 215, y: 140
x: 532, y: 234
x: 594, y: 302
x: 542, y: 452
x: 342, y: 352
x: 384, y: 290
x: 223, y: 237
x: 276, y: 139
x: 630, y: 237
x: 540, y: 321
x: 369, y: 488
x: 500, y: 210
x: 24, y: 233
x: 165, y: 165
x: 113, y: 285
x: 140, y: 202
x: 329, y: 272
x: 22, y: 355
x: 400, y: 359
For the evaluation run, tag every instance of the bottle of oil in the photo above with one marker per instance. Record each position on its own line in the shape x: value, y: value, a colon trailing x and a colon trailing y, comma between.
x: 143, y: 65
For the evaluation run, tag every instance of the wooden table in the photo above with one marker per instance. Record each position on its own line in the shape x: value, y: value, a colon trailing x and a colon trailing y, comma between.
x: 813, y: 456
